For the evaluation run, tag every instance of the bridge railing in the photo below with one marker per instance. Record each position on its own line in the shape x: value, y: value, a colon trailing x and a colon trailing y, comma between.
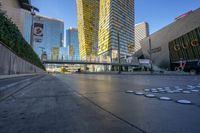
x: 87, y: 62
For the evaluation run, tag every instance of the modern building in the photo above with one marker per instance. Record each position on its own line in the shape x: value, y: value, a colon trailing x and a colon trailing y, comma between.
x: 116, y: 27
x: 63, y: 54
x: 72, y: 44
x: 88, y: 22
x: 48, y: 35
x: 141, y: 32
x: 13, y: 9
x: 177, y: 43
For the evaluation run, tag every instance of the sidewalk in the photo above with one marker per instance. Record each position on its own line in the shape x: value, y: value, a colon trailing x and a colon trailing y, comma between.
x: 171, y: 73
x: 15, y: 76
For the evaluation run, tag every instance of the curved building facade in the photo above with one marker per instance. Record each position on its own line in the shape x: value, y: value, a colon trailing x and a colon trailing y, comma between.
x: 116, y: 25
x: 178, y: 42
x: 88, y: 20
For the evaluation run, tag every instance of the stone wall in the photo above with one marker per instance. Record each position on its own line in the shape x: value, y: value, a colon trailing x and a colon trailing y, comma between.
x: 10, y: 63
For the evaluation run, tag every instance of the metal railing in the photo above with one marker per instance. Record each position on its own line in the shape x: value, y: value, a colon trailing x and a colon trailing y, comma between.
x: 87, y: 62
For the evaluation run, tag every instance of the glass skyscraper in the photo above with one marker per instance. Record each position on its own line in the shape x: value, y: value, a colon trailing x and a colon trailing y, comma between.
x: 72, y: 44
x: 88, y: 20
x: 63, y: 54
x: 116, y: 24
x: 51, y: 38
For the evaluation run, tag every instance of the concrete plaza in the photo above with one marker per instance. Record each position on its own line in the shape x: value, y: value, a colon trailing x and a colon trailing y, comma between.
x: 103, y: 104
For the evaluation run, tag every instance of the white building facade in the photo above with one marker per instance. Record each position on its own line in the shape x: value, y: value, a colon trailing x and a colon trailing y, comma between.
x: 141, y: 32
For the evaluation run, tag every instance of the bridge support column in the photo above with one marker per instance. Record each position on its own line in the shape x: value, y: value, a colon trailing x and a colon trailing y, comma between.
x: 93, y: 68
x: 85, y: 68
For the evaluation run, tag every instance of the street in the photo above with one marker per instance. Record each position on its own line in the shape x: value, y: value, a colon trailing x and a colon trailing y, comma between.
x: 104, y: 104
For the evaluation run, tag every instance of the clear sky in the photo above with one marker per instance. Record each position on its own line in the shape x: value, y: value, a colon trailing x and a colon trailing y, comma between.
x: 157, y: 13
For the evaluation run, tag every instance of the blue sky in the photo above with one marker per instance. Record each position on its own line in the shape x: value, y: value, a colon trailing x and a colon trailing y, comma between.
x: 157, y: 13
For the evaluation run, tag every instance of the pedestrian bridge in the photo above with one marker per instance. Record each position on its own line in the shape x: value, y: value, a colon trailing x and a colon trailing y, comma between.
x: 73, y: 62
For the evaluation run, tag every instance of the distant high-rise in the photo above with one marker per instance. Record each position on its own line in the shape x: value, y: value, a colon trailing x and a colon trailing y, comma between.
x: 63, y: 54
x: 72, y: 44
x: 88, y: 20
x: 48, y: 35
x: 116, y: 23
x: 141, y: 32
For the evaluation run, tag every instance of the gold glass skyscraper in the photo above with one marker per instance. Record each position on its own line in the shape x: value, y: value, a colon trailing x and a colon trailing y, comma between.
x: 116, y: 17
x: 88, y: 22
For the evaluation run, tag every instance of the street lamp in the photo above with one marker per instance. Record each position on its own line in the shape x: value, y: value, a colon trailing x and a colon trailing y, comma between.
x: 150, y: 54
x: 43, y: 52
x: 119, y: 61
x: 33, y: 13
x: 119, y: 55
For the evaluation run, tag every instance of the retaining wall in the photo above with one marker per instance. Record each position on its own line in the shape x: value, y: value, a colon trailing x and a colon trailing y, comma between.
x: 10, y: 63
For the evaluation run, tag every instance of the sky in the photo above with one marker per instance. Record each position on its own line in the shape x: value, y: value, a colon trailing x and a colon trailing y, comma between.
x: 158, y: 13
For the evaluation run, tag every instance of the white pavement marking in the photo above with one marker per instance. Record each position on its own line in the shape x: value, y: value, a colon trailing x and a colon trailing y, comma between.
x: 195, y: 90
x: 154, y: 91
x: 162, y: 90
x: 180, y: 89
x: 170, y: 91
x: 177, y: 91
x: 184, y: 101
x: 129, y: 91
x: 186, y: 92
x: 147, y: 90
x: 150, y: 95
x: 165, y: 98
x: 139, y: 93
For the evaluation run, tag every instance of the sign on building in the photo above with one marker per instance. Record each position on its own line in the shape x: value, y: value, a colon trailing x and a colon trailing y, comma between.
x: 38, y: 31
x: 185, y: 51
x: 186, y: 47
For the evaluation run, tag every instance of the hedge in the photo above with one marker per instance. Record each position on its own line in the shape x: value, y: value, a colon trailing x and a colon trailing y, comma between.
x: 13, y: 39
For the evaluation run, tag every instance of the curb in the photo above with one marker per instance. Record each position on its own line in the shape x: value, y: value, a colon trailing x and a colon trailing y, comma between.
x: 153, y: 74
x: 2, y: 77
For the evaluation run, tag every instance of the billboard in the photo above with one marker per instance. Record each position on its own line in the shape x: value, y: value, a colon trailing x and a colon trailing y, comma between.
x: 38, y: 31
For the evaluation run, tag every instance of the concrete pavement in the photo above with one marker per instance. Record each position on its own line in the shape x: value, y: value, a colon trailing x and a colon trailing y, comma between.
x: 99, y: 103
x: 9, y: 86
x: 9, y: 79
x: 15, y: 76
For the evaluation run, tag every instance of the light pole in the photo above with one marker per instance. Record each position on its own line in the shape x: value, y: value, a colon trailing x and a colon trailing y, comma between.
x: 42, y: 49
x: 33, y: 9
x: 32, y: 26
x: 119, y: 61
x: 150, y: 54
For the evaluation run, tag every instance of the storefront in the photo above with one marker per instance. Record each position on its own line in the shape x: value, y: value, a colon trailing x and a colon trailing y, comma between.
x: 185, y: 51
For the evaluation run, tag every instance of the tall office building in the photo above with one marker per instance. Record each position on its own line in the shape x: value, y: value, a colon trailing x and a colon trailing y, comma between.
x: 141, y: 32
x: 116, y: 25
x: 88, y: 20
x: 72, y: 44
x: 48, y: 35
